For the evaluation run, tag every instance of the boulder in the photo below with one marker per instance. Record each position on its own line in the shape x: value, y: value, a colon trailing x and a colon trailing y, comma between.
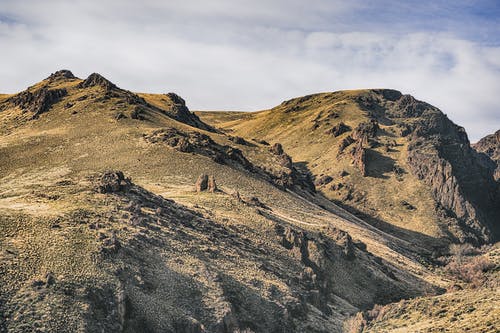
x: 112, y: 182
x: 202, y: 183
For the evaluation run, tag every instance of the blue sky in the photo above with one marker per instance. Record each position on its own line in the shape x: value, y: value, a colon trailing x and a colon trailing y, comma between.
x: 251, y: 55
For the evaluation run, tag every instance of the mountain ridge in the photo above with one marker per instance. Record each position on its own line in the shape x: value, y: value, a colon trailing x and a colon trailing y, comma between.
x: 103, y: 228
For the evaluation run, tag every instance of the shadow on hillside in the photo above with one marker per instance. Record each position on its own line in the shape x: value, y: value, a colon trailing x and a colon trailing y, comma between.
x: 378, y: 165
x: 432, y: 245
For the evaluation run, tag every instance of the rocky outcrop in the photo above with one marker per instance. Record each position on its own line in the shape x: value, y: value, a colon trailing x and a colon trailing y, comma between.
x: 61, y: 75
x: 97, y: 80
x: 344, y: 143
x: 338, y: 129
x: 277, y: 149
x: 179, y: 111
x: 202, y: 183
x: 365, y: 131
x: 323, y: 180
x: 490, y: 146
x: 38, y: 101
x: 111, y: 182
x: 358, y: 154
x: 439, y: 153
x: 212, y: 185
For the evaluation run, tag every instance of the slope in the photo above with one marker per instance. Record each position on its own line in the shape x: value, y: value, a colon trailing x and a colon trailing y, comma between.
x: 101, y: 229
x: 398, y: 163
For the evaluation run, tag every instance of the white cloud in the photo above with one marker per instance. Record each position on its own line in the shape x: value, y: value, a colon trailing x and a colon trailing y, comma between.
x: 248, y: 54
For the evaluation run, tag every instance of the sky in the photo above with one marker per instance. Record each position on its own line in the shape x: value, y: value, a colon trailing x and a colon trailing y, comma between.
x: 253, y: 54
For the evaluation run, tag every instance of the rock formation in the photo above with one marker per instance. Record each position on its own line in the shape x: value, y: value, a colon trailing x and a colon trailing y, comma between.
x: 212, y: 186
x: 96, y: 79
x: 490, y: 146
x: 202, y: 183
x: 37, y: 101
x: 111, y: 182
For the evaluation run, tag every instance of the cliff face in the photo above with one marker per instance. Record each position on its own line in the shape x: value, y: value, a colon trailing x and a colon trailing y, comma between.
x: 439, y: 153
x: 490, y: 146
x: 396, y: 162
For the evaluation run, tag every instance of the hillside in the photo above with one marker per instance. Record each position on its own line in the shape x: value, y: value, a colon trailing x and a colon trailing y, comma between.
x: 490, y: 146
x: 127, y: 212
x: 398, y: 163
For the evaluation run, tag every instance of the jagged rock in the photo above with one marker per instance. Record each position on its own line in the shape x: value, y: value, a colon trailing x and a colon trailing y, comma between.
x: 238, y: 140
x: 285, y: 161
x: 490, y: 146
x: 202, y: 183
x: 212, y: 186
x: 137, y: 113
x: 343, y: 173
x: 96, y: 79
x: 365, y: 131
x: 338, y: 129
x: 324, y: 180
x: 277, y: 149
x: 344, y: 143
x: 342, y: 239
x: 262, y: 142
x: 39, y: 101
x: 358, y: 154
x: 62, y: 74
x: 111, y: 182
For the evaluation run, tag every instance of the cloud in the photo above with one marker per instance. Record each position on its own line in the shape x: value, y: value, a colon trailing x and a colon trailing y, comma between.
x: 248, y: 55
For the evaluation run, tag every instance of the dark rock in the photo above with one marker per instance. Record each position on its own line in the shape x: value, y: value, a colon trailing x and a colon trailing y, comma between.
x: 344, y: 143
x: 68, y: 105
x: 490, y: 146
x: 96, y: 79
x: 63, y: 74
x: 343, y: 173
x: 39, y: 101
x: 137, y: 113
x: 407, y: 205
x: 202, y: 183
x: 238, y: 140
x: 179, y: 111
x: 338, y: 129
x: 111, y: 182
x: 358, y: 154
x: 365, y: 131
x: 324, y: 180
x: 389, y: 94
x: 285, y: 161
x: 262, y: 142
x: 277, y: 149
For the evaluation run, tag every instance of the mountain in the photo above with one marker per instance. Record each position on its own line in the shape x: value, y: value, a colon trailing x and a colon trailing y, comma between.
x: 127, y: 212
x: 490, y: 146
x: 397, y: 162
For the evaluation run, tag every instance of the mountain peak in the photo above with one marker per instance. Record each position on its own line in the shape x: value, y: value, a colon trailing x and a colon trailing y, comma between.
x: 96, y: 79
x: 62, y: 74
